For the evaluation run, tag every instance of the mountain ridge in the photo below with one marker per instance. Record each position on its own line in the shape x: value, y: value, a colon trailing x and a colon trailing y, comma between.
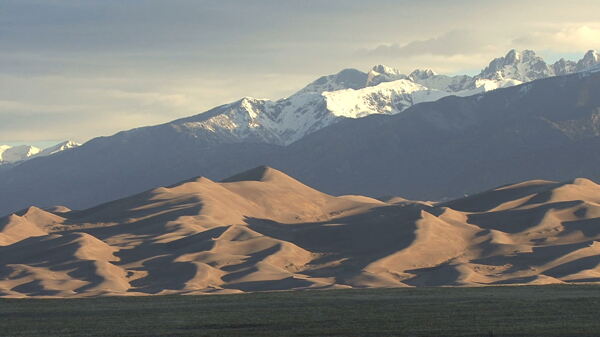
x: 16, y: 154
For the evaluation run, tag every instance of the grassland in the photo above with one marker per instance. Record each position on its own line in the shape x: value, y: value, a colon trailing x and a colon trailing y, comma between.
x: 499, y: 311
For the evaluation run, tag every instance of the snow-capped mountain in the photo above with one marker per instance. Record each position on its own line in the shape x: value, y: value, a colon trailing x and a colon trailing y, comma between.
x: 382, y: 73
x: 526, y: 66
x: 19, y: 153
x: 350, y: 93
x: 67, y: 144
x: 512, y: 69
x: 523, y: 66
x: 590, y: 60
x: 12, y: 154
x: 287, y: 120
x: 353, y: 94
x: 345, y: 79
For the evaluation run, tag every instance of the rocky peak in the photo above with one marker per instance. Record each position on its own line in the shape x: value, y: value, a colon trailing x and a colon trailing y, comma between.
x: 564, y: 67
x: 382, y: 73
x: 523, y: 66
x: 422, y: 74
x: 590, y: 59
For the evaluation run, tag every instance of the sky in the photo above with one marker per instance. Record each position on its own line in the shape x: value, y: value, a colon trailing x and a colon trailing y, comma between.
x: 78, y: 69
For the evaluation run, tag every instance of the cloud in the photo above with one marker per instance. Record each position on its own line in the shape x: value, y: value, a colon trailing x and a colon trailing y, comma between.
x: 170, y: 100
x: 571, y: 38
x: 455, y: 42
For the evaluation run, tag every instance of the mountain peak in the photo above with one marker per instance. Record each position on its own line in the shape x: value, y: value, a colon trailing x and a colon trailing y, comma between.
x: 528, y: 54
x: 523, y: 66
x: 564, y: 67
x: 62, y: 146
x: 383, y: 69
x: 512, y: 56
x: 260, y: 173
x: 13, y: 154
x: 346, y: 79
x: 422, y: 73
x: 382, y: 73
x: 592, y: 55
x: 589, y: 60
x: 67, y: 144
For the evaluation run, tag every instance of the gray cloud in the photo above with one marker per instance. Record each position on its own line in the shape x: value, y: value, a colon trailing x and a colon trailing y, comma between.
x: 568, y: 38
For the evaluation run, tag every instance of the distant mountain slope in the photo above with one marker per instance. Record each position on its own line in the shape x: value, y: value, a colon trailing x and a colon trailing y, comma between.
x: 262, y: 230
x: 106, y: 168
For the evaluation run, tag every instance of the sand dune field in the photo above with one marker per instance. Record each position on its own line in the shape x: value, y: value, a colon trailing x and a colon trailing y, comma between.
x: 263, y: 230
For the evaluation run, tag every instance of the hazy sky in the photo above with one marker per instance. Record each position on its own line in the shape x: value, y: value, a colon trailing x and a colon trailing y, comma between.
x: 81, y: 69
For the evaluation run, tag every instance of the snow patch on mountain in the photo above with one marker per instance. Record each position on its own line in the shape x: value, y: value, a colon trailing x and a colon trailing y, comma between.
x: 385, y: 98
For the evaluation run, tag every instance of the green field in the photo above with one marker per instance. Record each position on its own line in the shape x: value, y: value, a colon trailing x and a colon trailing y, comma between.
x: 501, y: 311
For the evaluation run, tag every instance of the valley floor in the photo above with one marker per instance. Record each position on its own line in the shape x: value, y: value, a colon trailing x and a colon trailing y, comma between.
x: 554, y: 310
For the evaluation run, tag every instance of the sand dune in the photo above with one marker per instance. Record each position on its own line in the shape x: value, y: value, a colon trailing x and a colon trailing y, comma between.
x: 262, y: 230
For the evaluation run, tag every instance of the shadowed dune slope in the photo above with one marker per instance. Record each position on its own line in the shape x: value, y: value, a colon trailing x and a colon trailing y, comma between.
x: 262, y: 230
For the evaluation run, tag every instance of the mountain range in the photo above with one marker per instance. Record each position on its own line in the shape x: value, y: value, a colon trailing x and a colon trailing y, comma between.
x: 262, y: 230
x: 16, y: 154
x: 422, y: 135
x: 353, y: 94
